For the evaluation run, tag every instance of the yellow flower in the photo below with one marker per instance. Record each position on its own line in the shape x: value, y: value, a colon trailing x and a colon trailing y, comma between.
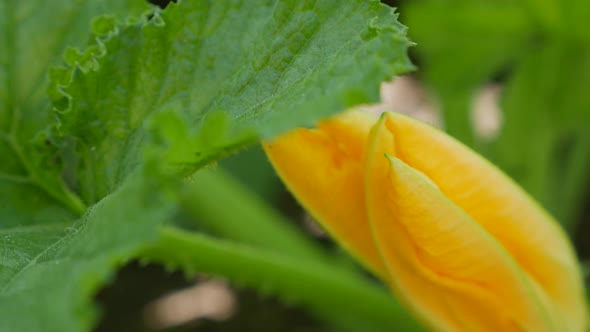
x: 460, y: 244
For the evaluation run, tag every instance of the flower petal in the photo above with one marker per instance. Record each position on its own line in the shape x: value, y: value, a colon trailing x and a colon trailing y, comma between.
x: 323, y: 169
x: 504, y: 210
x: 448, y: 268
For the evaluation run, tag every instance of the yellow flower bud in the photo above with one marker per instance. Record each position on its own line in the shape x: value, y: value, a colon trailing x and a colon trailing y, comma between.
x: 462, y: 246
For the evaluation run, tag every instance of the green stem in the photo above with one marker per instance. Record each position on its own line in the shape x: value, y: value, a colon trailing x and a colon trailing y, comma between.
x: 206, y: 199
x: 344, y: 298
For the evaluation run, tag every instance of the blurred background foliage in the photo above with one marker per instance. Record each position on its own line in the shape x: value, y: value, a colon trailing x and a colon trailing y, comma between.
x: 535, y: 52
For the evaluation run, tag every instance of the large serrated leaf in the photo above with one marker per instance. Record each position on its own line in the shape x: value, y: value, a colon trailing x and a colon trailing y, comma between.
x: 222, y: 73
x: 266, y: 65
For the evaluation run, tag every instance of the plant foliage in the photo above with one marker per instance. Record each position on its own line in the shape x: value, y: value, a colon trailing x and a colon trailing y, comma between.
x: 110, y: 112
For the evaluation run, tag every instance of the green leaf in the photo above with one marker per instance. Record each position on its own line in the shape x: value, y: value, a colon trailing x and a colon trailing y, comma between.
x: 185, y: 150
x: 22, y: 204
x: 49, y: 274
x: 33, y: 35
x: 22, y: 244
x: 266, y: 65
x: 36, y: 208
